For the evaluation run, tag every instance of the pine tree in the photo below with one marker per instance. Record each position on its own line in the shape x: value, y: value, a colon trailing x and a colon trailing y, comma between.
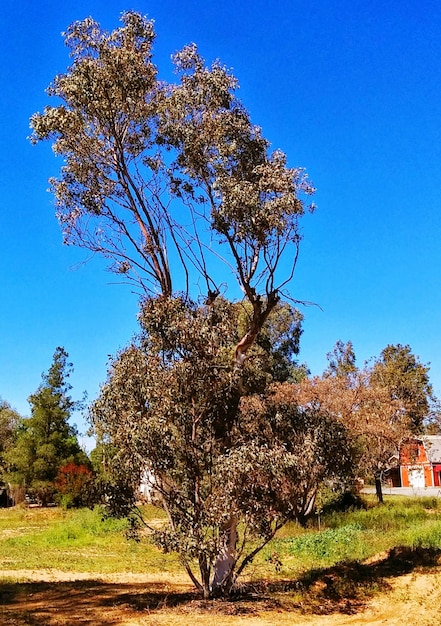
x: 46, y: 441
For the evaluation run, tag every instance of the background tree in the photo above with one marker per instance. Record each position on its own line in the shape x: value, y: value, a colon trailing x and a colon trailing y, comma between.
x: 341, y: 361
x: 46, y: 440
x: 101, y: 456
x: 9, y: 424
x: 273, y: 356
x: 159, y: 176
x: 406, y: 380
x: 377, y: 422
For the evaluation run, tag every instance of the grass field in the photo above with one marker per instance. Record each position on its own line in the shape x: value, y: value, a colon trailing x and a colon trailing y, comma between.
x: 74, y: 540
x: 355, y: 559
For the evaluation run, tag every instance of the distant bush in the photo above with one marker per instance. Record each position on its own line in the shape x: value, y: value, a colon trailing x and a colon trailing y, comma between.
x: 342, y: 502
x: 74, y: 486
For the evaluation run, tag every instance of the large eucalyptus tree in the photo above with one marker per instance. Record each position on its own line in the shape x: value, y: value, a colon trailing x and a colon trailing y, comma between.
x: 178, y: 188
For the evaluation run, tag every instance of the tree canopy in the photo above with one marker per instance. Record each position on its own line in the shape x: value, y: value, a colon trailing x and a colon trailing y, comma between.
x: 9, y: 424
x: 406, y: 380
x: 231, y: 465
x: 382, y: 404
x: 170, y: 180
x: 341, y: 361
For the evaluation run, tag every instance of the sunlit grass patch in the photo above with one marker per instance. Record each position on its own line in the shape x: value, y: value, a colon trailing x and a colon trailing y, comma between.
x: 355, y: 535
x: 81, y: 540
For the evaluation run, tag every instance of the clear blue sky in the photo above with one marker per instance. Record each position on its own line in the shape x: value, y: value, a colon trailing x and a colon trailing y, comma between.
x: 350, y: 90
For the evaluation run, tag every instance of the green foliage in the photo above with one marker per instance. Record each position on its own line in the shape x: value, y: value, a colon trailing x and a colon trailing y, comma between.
x: 392, y: 515
x: 333, y: 501
x: 87, y: 541
x: 10, y: 422
x: 313, y: 448
x: 273, y: 356
x: 46, y: 440
x: 407, y: 380
x: 330, y: 544
x: 80, y: 540
x: 341, y: 361
x: 358, y: 534
x: 173, y: 405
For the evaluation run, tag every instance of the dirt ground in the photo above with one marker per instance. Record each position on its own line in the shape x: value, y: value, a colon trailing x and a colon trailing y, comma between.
x: 392, y: 589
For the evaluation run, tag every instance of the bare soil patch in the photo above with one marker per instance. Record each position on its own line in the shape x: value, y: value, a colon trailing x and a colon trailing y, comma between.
x: 382, y: 591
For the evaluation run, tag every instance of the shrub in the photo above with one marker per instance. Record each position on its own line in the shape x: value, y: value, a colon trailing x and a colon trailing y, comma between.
x: 342, y: 502
x: 74, y: 484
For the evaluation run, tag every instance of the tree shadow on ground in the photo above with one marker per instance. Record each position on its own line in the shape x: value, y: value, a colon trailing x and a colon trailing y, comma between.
x: 344, y: 588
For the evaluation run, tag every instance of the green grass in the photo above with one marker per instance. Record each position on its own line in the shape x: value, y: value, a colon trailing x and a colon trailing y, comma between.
x: 356, y: 535
x: 84, y: 541
x: 81, y: 540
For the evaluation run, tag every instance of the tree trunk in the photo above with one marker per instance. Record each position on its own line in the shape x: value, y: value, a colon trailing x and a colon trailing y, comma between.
x: 205, y: 576
x: 226, y: 560
x: 307, y: 508
x: 260, y: 315
x: 378, y: 487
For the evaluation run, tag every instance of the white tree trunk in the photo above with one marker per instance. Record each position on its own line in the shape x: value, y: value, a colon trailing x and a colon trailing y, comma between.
x: 226, y: 560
